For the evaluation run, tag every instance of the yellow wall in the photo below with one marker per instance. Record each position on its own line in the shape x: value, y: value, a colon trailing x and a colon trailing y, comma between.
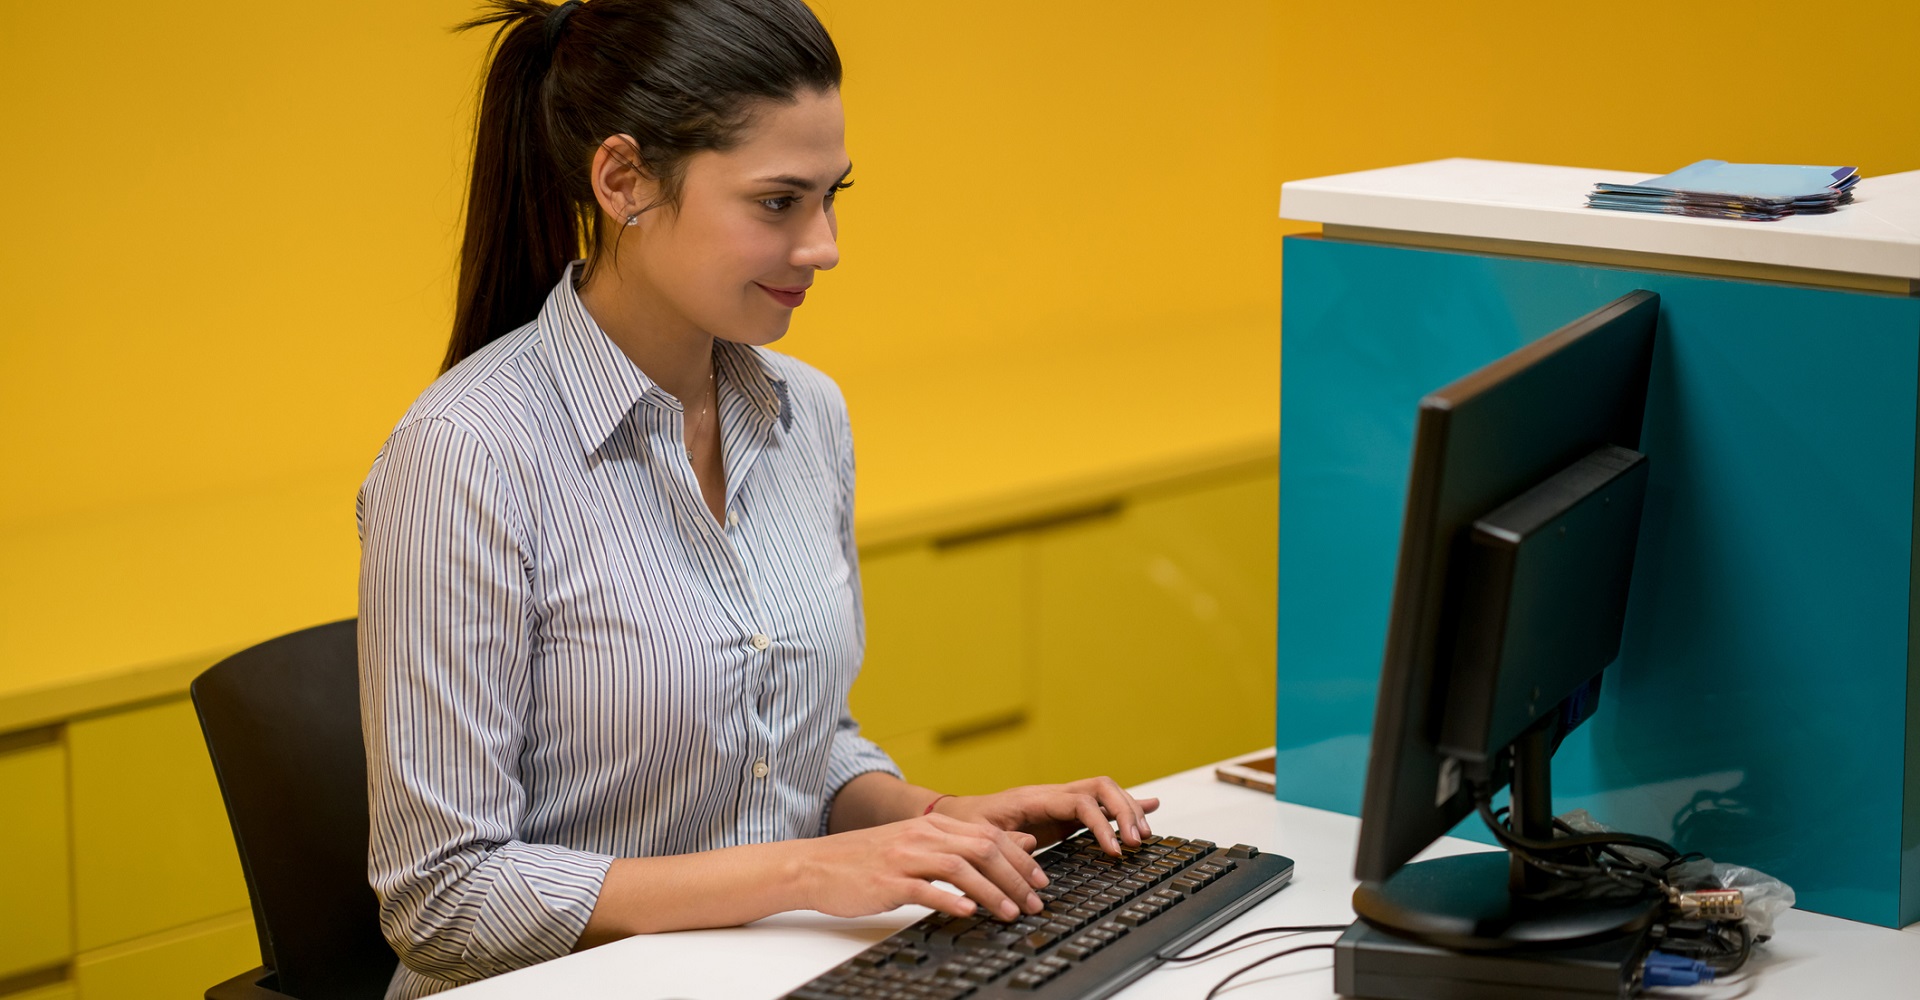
x: 229, y: 233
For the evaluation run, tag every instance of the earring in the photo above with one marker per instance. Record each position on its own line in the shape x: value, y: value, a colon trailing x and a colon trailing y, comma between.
x: 632, y: 219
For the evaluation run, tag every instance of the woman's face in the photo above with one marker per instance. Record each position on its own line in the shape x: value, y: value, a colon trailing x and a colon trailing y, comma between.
x: 754, y: 225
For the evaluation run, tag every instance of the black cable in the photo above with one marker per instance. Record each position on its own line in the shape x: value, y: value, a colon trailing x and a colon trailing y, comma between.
x: 1224, y: 945
x: 1237, y: 973
x: 1602, y: 852
x: 1745, y: 952
x: 1510, y: 839
x: 1709, y: 943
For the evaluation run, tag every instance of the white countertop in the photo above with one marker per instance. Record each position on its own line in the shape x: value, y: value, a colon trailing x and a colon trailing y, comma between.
x: 1878, y: 234
x: 1810, y: 955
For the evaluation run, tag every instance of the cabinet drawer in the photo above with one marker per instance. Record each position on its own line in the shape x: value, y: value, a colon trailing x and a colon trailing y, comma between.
x: 1154, y: 641
x: 36, y: 912
x: 945, y: 637
x: 178, y: 963
x: 151, y: 846
x: 979, y: 763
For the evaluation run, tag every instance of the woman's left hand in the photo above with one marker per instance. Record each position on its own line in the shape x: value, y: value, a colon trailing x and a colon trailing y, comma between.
x: 1051, y: 812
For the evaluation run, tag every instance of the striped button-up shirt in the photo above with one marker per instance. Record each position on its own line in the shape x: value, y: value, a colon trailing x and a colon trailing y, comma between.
x: 565, y: 658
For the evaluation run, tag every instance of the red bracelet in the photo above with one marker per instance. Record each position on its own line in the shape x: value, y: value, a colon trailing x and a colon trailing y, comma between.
x: 929, y: 810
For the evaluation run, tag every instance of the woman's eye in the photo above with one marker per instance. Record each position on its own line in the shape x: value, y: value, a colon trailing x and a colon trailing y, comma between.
x: 779, y: 204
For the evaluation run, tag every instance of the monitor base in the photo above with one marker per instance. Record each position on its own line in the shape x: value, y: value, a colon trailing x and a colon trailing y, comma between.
x: 1373, y: 964
x: 1465, y: 903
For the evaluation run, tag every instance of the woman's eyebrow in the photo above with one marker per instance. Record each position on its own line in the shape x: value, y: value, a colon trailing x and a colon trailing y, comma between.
x: 801, y: 183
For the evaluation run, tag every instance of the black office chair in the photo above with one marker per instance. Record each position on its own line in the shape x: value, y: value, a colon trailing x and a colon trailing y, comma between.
x: 282, y: 722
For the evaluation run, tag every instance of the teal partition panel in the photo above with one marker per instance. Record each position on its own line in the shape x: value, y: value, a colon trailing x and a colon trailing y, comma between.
x: 1762, y: 709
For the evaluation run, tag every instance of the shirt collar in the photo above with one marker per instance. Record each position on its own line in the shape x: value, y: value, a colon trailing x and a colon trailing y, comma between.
x: 600, y: 385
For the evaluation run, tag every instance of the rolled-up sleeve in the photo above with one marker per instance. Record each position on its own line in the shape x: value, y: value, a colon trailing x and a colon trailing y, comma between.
x: 852, y: 755
x: 445, y: 638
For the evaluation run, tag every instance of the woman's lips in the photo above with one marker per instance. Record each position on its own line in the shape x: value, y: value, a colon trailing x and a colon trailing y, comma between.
x: 789, y: 297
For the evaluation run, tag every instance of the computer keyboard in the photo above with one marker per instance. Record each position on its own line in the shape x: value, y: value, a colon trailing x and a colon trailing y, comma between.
x: 1107, y: 922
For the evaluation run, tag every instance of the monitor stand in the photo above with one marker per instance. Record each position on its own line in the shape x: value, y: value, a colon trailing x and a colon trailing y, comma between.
x: 1477, y: 925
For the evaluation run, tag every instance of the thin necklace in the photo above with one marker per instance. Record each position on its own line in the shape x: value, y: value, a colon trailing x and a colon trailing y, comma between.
x: 713, y: 396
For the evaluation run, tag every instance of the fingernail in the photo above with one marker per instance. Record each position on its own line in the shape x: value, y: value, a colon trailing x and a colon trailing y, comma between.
x: 971, y: 906
x: 1039, y: 879
x: 1009, y: 911
x: 1133, y: 832
x: 1033, y: 902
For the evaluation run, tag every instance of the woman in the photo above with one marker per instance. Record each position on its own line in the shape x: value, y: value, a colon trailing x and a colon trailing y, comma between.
x: 610, y: 604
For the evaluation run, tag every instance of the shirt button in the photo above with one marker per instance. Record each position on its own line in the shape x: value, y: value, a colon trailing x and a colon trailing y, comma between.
x: 760, y: 641
x: 733, y: 518
x: 760, y: 768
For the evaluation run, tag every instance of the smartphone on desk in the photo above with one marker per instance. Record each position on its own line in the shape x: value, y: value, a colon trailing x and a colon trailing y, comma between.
x: 1254, y: 770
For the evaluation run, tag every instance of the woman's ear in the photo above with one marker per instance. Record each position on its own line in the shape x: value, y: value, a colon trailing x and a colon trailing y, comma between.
x: 621, y: 184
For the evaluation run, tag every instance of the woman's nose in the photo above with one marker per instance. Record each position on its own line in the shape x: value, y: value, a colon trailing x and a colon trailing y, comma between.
x: 819, y: 246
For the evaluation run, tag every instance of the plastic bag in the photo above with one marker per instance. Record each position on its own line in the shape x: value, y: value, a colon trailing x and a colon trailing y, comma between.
x: 1764, y: 896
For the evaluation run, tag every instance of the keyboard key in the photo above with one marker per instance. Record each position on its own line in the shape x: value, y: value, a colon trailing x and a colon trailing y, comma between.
x: 1243, y: 851
x: 1035, y: 942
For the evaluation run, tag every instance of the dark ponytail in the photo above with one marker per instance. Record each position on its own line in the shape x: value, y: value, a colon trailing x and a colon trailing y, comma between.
x: 679, y: 76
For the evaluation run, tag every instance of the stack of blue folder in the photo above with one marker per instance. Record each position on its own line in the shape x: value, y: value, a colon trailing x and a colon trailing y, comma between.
x: 1716, y: 189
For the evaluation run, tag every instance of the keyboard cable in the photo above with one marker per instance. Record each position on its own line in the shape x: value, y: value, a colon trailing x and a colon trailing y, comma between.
x: 1249, y: 967
x: 1224, y: 945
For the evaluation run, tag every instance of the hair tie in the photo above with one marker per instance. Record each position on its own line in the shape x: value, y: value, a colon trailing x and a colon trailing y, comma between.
x: 557, y: 20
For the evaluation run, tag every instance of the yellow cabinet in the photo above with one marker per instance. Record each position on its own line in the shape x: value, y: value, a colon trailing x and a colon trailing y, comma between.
x: 151, y: 846
x: 36, y: 912
x: 1131, y: 639
x: 1155, y: 631
x: 179, y: 963
x: 946, y: 658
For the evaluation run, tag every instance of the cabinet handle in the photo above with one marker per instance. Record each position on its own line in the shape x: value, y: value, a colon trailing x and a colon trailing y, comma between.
x: 975, y: 729
x: 24, y: 739
x: 1051, y: 519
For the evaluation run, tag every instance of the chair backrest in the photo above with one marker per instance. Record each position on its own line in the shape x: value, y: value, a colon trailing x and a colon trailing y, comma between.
x: 282, y: 722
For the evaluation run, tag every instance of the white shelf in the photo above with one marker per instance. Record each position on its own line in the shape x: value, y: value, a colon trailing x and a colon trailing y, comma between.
x: 1878, y: 234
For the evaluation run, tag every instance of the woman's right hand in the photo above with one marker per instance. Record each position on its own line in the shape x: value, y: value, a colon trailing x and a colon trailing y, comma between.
x: 878, y: 868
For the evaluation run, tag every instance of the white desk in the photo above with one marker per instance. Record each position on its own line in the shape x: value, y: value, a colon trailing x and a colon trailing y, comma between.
x: 1879, y: 234
x: 1810, y: 956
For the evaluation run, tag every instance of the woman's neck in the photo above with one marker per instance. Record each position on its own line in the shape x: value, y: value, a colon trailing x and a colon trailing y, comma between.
x: 674, y: 353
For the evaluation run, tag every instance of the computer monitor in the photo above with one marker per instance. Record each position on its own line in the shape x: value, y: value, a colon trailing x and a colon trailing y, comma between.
x: 1522, y: 515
